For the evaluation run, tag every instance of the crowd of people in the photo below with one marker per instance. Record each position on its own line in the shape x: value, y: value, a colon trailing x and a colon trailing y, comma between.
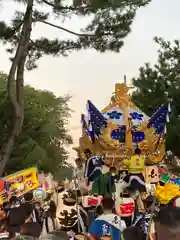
x: 26, y: 217
x: 150, y: 219
x: 144, y: 218
x: 161, y: 225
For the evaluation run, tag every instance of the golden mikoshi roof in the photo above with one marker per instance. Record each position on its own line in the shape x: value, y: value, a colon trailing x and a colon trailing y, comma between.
x: 121, y: 104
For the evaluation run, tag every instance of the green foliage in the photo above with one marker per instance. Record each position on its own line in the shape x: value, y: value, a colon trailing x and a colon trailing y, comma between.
x: 110, y: 22
x: 44, y: 133
x: 65, y: 171
x: 160, y: 83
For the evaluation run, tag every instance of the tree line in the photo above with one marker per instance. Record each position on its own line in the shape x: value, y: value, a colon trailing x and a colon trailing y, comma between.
x: 158, y: 84
x: 44, y: 133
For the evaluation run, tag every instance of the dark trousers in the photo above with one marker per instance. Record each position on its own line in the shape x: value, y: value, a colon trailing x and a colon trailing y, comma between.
x: 53, y: 223
x: 13, y: 229
x: 128, y: 220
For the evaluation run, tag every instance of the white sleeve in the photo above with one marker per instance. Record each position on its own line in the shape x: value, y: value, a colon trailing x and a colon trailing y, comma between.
x: 34, y: 216
x: 123, y: 225
x: 74, y: 173
x: 152, y: 228
x: 87, y: 168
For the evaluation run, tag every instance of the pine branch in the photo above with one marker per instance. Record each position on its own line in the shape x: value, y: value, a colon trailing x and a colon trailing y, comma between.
x: 66, y: 30
x: 120, y: 34
x: 95, y: 6
x: 66, y: 7
x: 111, y: 23
x: 8, y: 32
x: 55, y: 47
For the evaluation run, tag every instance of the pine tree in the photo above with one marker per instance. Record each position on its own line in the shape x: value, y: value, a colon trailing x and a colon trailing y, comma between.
x: 110, y: 23
x: 160, y: 84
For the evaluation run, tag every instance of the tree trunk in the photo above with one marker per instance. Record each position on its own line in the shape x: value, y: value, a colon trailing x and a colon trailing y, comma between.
x: 17, y: 97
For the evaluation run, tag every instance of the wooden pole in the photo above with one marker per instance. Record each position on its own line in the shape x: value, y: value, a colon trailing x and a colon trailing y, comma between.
x: 125, y: 80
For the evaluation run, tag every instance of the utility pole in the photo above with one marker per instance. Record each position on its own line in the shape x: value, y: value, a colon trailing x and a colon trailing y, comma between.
x: 125, y: 79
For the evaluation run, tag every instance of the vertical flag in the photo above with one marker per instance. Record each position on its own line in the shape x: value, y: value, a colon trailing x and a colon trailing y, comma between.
x: 96, y: 121
x: 159, y: 119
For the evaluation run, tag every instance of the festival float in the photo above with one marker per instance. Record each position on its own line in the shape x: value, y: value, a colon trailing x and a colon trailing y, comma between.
x: 120, y: 127
x: 115, y: 131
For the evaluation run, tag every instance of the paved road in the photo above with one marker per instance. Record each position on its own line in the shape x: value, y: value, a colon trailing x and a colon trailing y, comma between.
x: 55, y: 235
x: 44, y: 233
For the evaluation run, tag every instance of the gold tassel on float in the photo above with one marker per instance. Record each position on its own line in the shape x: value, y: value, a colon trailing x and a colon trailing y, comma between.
x: 128, y: 138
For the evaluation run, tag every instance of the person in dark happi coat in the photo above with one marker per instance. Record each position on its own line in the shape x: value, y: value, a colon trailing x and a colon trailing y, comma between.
x: 93, y: 166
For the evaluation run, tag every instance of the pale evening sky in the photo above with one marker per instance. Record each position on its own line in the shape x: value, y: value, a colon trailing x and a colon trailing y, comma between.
x: 89, y: 74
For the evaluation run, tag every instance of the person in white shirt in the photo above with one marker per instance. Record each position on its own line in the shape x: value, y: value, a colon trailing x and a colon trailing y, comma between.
x: 80, y: 168
x: 79, y: 179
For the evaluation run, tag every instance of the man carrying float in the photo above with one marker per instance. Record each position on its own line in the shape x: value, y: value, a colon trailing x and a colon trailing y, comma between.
x: 135, y: 177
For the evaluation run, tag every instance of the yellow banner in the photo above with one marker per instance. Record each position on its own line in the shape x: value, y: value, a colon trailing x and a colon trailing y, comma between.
x: 19, y: 183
